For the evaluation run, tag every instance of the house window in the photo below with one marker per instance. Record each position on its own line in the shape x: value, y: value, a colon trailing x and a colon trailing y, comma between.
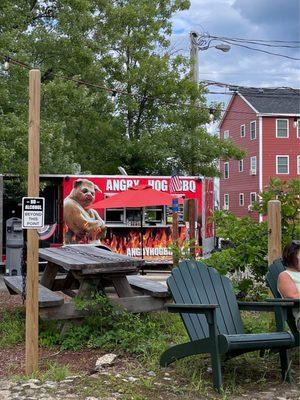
x: 282, y: 164
x: 298, y: 128
x: 241, y: 165
x: 226, y: 134
x: 226, y: 170
x: 243, y: 130
x: 298, y: 165
x: 282, y: 128
x: 253, y: 130
x: 253, y: 165
x: 252, y: 197
x: 226, y: 202
x: 241, y: 199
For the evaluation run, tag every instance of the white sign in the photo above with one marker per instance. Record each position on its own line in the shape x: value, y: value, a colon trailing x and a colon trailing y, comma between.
x: 33, y: 212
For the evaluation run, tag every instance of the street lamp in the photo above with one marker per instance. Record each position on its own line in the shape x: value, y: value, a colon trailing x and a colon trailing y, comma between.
x: 202, y: 42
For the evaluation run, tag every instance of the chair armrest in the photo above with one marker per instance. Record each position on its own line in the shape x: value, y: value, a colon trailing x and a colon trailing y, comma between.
x: 295, y: 302
x: 263, y: 305
x: 209, y: 310
x: 191, y: 308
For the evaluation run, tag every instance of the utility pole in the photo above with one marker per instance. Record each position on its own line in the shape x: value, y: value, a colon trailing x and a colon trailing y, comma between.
x: 194, y: 57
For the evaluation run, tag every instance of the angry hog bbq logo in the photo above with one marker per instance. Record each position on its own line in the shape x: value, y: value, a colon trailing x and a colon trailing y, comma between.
x: 163, y: 185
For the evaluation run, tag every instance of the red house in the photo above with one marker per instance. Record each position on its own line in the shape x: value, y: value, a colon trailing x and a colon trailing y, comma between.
x: 265, y: 123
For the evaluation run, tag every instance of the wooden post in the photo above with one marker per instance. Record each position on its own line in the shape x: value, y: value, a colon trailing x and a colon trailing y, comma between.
x: 32, y: 309
x: 175, y: 238
x: 192, y: 221
x: 274, y: 230
x: 1, y: 217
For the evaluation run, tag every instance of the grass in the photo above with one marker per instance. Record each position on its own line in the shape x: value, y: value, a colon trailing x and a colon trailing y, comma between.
x: 12, y: 328
x: 53, y: 372
x: 140, y: 340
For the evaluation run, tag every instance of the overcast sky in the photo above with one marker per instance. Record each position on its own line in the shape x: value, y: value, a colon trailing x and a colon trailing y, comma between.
x: 250, y: 19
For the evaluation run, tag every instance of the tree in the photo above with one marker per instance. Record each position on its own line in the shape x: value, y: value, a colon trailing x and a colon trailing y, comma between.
x: 248, y: 239
x: 120, y: 45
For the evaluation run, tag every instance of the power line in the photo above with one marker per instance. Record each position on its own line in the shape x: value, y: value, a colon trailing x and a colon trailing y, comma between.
x: 261, y: 51
x: 115, y: 91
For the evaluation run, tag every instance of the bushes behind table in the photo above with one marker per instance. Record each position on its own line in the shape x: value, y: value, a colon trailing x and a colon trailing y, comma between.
x: 111, y: 328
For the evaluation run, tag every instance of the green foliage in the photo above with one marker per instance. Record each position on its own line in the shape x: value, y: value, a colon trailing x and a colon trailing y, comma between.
x: 249, y: 239
x: 257, y: 322
x: 12, y: 327
x: 119, y: 44
x: 184, y: 252
x: 53, y: 372
x: 111, y: 328
x: 249, y: 245
x: 288, y: 192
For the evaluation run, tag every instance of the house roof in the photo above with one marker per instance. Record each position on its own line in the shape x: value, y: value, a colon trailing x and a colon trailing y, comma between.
x: 272, y: 101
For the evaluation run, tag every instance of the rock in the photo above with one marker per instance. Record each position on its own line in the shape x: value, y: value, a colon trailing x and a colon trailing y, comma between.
x: 151, y: 373
x: 105, y: 360
x: 132, y: 379
x: 30, y: 385
x: 167, y: 379
x: 36, y: 381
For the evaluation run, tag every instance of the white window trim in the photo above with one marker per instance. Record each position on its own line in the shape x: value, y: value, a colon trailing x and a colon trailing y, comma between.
x: 250, y: 201
x: 288, y: 164
x: 298, y: 165
x: 241, y: 163
x: 253, y: 157
x: 244, y: 130
x: 253, y: 138
x: 241, y: 197
x: 226, y: 206
x: 298, y: 129
x: 226, y: 163
x: 287, y: 121
x: 226, y: 134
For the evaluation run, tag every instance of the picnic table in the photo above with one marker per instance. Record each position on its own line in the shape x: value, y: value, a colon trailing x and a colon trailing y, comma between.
x: 92, y: 267
x: 79, y: 270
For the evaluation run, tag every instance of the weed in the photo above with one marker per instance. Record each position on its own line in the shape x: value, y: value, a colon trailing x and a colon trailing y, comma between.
x: 53, y: 372
x: 12, y: 327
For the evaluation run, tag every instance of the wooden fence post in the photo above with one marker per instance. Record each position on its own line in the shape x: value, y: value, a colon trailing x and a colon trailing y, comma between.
x: 1, y: 217
x: 32, y: 306
x: 274, y: 230
x: 175, y: 232
x: 192, y: 221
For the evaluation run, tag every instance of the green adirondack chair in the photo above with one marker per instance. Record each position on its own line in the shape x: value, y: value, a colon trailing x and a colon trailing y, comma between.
x: 271, y: 279
x: 211, y: 315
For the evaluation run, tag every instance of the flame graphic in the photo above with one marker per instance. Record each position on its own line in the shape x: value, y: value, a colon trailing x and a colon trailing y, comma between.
x: 123, y: 240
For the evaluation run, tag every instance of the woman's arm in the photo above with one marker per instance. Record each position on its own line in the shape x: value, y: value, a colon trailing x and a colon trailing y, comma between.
x: 287, y: 287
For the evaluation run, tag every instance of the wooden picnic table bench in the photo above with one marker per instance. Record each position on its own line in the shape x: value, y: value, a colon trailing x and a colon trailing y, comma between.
x: 47, y: 298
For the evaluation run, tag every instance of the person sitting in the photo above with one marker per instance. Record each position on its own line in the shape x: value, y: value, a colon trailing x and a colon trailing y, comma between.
x: 289, y: 280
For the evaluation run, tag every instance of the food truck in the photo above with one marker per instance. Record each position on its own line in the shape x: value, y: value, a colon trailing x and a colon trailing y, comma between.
x: 124, y: 224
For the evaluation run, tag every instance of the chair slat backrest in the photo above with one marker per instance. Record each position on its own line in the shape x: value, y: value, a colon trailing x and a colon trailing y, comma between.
x: 272, y: 276
x: 195, y: 283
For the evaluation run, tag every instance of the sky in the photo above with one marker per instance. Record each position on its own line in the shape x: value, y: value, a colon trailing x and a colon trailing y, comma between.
x: 249, y: 19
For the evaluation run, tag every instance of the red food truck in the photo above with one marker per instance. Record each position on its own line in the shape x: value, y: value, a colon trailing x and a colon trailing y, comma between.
x: 124, y: 224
